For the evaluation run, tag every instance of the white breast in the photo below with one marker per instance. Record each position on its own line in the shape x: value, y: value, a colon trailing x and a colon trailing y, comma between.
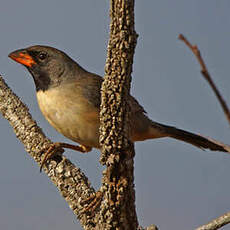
x: 70, y: 114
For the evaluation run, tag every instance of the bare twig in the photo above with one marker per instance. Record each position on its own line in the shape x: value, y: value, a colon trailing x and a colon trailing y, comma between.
x: 224, y: 219
x: 207, y: 76
x: 72, y: 184
x: 216, y: 223
x: 151, y: 227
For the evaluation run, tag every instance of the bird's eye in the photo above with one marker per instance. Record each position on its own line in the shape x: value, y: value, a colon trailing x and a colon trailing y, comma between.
x: 42, y: 55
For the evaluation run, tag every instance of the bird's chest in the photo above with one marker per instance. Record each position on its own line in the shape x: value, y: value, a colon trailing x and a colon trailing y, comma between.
x: 70, y: 114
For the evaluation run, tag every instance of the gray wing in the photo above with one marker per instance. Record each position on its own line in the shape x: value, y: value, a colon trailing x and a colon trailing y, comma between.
x: 92, y: 91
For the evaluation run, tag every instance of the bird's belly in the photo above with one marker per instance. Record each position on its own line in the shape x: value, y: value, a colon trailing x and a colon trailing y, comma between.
x: 72, y: 117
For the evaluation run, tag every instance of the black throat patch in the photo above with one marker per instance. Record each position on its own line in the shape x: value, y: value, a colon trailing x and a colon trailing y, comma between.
x: 42, y: 80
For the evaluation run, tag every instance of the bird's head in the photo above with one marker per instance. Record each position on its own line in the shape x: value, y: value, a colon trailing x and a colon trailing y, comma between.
x: 48, y: 66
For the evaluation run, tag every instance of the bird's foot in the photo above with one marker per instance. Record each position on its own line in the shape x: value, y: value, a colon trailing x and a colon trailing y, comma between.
x: 93, y: 202
x: 51, y: 150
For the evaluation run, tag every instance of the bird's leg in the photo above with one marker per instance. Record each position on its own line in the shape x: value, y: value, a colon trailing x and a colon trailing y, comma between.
x: 79, y: 148
x: 54, y: 147
x: 93, y: 202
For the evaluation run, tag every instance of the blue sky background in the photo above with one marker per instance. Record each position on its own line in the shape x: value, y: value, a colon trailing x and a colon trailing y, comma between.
x: 177, y: 185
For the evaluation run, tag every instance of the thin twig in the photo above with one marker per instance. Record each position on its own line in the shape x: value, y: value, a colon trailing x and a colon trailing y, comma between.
x: 224, y: 219
x: 216, y: 223
x: 207, y: 76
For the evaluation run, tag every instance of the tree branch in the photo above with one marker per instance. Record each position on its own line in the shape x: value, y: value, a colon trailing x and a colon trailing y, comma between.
x: 151, y: 227
x: 216, y: 223
x: 207, y: 76
x: 72, y: 184
x: 118, y: 207
x: 224, y: 219
x: 117, y: 151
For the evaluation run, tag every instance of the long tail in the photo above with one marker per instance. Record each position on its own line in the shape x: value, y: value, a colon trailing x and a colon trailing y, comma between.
x: 191, y: 138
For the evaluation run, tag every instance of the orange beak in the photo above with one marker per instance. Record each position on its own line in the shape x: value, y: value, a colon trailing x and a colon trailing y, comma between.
x: 22, y: 57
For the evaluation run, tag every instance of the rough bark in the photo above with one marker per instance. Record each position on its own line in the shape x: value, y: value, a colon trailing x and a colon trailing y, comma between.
x: 117, y: 151
x: 117, y: 210
x: 216, y: 223
x: 72, y: 184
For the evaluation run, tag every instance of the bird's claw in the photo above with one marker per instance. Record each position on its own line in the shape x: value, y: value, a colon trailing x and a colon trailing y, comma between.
x: 93, y: 202
x: 52, y: 149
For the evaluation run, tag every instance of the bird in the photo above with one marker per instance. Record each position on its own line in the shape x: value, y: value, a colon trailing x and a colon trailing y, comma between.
x: 69, y: 97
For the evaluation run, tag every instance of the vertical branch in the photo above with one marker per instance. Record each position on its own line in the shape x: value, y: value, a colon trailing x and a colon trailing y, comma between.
x: 117, y: 154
